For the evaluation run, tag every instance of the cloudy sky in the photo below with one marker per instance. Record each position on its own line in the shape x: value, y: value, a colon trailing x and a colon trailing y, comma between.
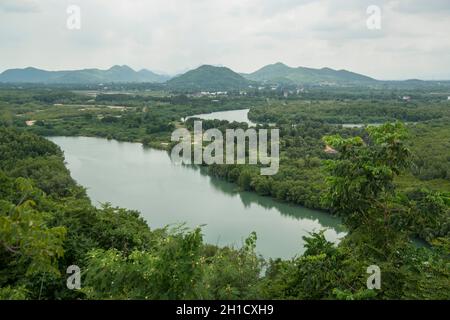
x: 176, y: 35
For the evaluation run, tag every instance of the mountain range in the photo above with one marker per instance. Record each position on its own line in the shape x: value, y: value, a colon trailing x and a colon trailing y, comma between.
x: 281, y: 73
x: 205, y: 77
x: 84, y: 76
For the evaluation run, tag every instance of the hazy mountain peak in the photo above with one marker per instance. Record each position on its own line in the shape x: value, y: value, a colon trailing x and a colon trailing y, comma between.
x: 210, y: 67
x: 280, y: 64
x: 117, y: 73
x: 120, y: 68
x: 31, y: 69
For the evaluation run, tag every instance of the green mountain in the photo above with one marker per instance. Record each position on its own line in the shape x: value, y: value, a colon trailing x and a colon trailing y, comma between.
x: 84, y: 76
x: 204, y: 78
x: 209, y: 78
x: 281, y: 73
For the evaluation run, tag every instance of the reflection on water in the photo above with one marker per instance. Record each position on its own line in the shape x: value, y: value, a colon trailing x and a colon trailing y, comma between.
x: 129, y: 176
x: 286, y: 209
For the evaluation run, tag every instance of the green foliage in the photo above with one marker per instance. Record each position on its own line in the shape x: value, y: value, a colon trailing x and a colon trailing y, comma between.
x: 362, y: 178
x: 8, y: 293
x: 429, y: 216
x: 429, y: 145
x: 349, y: 111
x: 323, y: 272
x: 29, y: 246
x: 233, y: 274
x: 316, y: 243
x: 171, y: 269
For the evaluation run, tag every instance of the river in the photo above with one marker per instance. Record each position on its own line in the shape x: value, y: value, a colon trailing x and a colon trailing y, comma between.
x: 130, y: 176
x: 231, y: 115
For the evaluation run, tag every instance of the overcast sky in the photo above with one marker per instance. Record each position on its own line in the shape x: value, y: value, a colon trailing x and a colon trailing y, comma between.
x: 173, y: 36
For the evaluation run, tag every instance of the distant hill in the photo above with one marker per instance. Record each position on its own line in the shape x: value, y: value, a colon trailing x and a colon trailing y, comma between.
x: 204, y: 78
x: 84, y: 76
x: 281, y: 73
x: 209, y: 78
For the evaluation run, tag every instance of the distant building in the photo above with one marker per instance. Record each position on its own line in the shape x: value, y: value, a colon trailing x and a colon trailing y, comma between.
x: 121, y: 108
x: 329, y: 150
x: 30, y: 122
x: 209, y: 94
x: 448, y: 98
x: 406, y: 98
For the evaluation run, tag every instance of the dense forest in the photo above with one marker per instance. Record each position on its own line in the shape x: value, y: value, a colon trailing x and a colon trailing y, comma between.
x: 389, y: 184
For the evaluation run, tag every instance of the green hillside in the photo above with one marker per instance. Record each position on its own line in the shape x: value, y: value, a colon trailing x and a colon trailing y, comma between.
x: 281, y: 73
x: 209, y: 78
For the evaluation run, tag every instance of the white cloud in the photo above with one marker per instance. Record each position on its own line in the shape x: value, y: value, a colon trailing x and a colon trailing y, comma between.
x: 242, y: 34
